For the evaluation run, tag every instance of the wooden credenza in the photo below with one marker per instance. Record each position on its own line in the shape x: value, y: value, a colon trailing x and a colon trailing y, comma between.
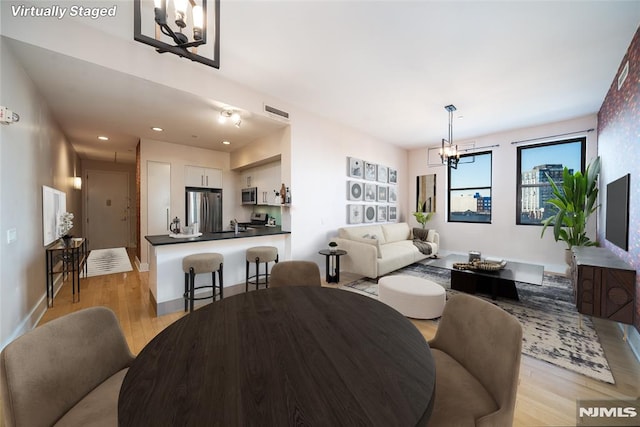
x: 603, y: 284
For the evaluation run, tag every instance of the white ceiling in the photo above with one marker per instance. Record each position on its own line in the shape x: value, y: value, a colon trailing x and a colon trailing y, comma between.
x: 387, y: 68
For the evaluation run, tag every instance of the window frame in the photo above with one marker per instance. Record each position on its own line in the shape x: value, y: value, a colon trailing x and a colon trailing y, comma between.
x: 519, y: 186
x: 490, y: 187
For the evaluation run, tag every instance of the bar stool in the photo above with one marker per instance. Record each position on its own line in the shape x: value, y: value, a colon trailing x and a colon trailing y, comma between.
x: 197, y: 264
x: 260, y: 254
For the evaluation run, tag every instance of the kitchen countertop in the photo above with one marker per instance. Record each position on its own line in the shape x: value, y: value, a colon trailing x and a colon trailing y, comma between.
x: 164, y: 239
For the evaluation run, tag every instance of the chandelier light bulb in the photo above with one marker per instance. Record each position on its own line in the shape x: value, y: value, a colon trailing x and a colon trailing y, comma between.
x: 181, y: 12
x: 198, y: 22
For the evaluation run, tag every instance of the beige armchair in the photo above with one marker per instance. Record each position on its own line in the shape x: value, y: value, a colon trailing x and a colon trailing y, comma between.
x: 477, y: 355
x: 67, y: 372
x: 295, y: 273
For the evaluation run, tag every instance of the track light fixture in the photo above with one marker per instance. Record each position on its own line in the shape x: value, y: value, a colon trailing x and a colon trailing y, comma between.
x: 230, y: 115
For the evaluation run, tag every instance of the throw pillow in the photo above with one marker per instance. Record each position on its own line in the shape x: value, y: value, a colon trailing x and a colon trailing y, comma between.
x: 431, y: 236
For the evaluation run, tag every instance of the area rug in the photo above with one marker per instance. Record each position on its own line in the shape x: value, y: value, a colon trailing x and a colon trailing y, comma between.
x: 550, y: 322
x: 107, y: 261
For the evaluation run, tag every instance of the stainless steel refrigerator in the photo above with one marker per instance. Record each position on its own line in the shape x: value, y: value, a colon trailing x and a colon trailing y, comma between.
x: 204, y: 206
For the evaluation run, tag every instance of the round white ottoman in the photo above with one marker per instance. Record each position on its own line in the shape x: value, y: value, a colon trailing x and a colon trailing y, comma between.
x: 412, y: 296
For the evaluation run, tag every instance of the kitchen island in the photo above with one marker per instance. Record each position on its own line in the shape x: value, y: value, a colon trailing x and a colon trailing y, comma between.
x: 166, y: 278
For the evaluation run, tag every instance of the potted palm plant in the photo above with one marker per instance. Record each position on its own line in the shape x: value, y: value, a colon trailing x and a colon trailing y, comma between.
x: 421, y: 216
x: 575, y: 200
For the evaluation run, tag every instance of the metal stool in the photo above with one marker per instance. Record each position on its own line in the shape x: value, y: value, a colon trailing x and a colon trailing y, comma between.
x: 258, y: 254
x: 197, y: 264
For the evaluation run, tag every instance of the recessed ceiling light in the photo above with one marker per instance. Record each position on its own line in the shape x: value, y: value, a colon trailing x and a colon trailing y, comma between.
x: 226, y: 142
x: 103, y: 138
x: 157, y: 129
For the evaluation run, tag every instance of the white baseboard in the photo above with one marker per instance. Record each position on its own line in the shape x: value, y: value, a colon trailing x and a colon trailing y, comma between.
x: 141, y: 266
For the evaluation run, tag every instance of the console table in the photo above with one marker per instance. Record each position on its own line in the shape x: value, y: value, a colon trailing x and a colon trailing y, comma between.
x: 63, y: 259
x: 603, y: 284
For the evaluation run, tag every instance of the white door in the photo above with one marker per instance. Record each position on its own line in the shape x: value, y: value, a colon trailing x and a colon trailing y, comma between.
x: 107, y: 209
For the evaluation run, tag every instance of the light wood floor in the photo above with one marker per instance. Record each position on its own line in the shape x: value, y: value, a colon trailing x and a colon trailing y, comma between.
x: 546, y: 395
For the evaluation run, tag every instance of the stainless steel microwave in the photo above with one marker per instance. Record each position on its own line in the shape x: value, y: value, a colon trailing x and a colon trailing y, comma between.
x: 250, y: 196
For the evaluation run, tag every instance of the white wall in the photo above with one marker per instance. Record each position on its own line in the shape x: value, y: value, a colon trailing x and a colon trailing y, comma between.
x: 319, y: 151
x: 502, y: 238
x: 33, y: 153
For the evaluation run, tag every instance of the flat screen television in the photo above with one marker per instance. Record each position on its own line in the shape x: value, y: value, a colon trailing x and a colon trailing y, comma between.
x: 617, y: 212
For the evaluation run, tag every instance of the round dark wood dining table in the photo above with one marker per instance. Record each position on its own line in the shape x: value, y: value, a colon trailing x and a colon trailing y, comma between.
x: 303, y: 356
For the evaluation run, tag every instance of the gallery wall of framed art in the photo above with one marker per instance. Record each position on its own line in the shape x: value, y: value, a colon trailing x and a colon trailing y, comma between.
x: 372, y: 193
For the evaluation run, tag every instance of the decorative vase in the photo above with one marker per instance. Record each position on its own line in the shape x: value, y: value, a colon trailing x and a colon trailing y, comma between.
x: 66, y: 240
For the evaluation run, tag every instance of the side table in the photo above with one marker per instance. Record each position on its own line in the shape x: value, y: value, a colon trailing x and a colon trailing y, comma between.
x: 332, y: 264
x: 63, y: 259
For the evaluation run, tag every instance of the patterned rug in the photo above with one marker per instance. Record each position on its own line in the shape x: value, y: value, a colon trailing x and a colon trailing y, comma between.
x: 107, y: 261
x: 549, y: 319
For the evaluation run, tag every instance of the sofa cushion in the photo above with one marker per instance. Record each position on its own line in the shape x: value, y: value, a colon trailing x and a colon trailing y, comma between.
x: 366, y: 232
x: 460, y: 398
x: 396, y: 232
x: 369, y: 241
x: 396, y: 255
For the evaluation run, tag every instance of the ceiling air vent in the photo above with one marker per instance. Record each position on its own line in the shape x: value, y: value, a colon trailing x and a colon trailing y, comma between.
x: 283, y: 115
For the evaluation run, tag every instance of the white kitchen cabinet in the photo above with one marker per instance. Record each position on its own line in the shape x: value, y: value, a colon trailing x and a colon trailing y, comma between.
x: 158, y: 197
x: 196, y: 176
x: 269, y: 181
x: 266, y: 178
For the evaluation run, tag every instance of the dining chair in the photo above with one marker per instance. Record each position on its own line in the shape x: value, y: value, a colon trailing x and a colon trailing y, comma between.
x: 295, y: 273
x: 67, y: 372
x: 476, y: 351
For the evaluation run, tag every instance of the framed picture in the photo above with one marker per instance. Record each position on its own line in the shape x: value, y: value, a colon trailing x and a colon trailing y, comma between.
x: 393, y: 213
x: 355, y: 214
x: 370, y: 192
x: 383, y: 173
x: 355, y: 190
x: 382, y: 213
x: 356, y: 168
x: 393, y: 195
x: 382, y: 193
x: 370, y: 171
x: 369, y: 213
x: 393, y: 176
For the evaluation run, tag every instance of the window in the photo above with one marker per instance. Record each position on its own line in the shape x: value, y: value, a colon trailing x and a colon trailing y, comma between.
x: 535, y: 162
x: 470, y: 189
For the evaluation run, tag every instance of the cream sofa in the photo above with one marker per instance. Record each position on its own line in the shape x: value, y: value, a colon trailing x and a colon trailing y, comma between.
x: 375, y: 250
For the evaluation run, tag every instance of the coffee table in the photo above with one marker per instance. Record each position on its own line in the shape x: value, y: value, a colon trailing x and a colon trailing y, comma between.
x: 500, y: 283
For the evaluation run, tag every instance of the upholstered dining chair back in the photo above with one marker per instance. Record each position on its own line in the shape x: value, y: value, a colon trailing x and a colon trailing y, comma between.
x: 295, y: 273
x: 47, y: 371
x: 486, y: 341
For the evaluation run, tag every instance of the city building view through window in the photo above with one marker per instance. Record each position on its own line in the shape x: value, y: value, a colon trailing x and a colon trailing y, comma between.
x: 470, y: 189
x: 535, y: 164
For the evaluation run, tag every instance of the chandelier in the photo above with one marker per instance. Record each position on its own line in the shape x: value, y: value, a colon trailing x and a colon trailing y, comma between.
x: 449, y: 153
x: 179, y: 27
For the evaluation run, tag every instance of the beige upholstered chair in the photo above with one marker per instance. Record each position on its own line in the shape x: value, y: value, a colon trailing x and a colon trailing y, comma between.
x: 67, y: 372
x: 477, y: 355
x: 295, y: 273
